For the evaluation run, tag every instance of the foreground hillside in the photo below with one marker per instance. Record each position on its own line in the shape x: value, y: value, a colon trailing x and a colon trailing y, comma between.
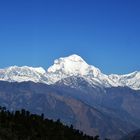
x: 111, y: 114
x: 21, y: 125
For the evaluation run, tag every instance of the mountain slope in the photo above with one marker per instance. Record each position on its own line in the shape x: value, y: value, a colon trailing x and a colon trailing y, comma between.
x: 135, y: 135
x: 71, y: 106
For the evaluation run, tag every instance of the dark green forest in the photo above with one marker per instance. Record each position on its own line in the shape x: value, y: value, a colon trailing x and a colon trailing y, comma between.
x: 22, y: 125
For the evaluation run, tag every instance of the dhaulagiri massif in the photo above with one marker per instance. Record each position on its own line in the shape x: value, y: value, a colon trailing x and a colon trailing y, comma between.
x: 76, y: 93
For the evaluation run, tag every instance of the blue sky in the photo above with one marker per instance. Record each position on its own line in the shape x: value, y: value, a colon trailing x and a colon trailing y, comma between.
x: 106, y: 33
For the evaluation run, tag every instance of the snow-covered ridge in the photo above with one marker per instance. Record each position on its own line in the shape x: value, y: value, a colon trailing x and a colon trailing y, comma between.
x: 21, y: 74
x: 66, y: 67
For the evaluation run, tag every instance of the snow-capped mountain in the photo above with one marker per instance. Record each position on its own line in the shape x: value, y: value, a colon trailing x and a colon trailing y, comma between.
x: 74, y: 65
x: 77, y: 93
x: 71, y: 66
x: 131, y: 80
x: 21, y: 74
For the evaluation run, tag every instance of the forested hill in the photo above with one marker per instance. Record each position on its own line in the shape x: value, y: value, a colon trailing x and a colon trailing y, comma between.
x: 22, y: 125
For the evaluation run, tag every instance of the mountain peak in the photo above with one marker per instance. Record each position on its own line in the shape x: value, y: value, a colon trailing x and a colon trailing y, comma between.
x: 72, y: 64
x: 20, y: 74
x: 25, y: 68
x: 70, y: 59
x: 75, y: 57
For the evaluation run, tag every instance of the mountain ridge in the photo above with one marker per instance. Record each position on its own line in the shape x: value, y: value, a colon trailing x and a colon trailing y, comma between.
x: 65, y: 67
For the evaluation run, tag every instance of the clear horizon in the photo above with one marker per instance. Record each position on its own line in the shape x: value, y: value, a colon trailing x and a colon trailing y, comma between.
x: 105, y: 34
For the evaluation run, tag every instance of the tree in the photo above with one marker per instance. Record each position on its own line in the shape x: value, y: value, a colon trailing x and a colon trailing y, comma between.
x: 96, y: 138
